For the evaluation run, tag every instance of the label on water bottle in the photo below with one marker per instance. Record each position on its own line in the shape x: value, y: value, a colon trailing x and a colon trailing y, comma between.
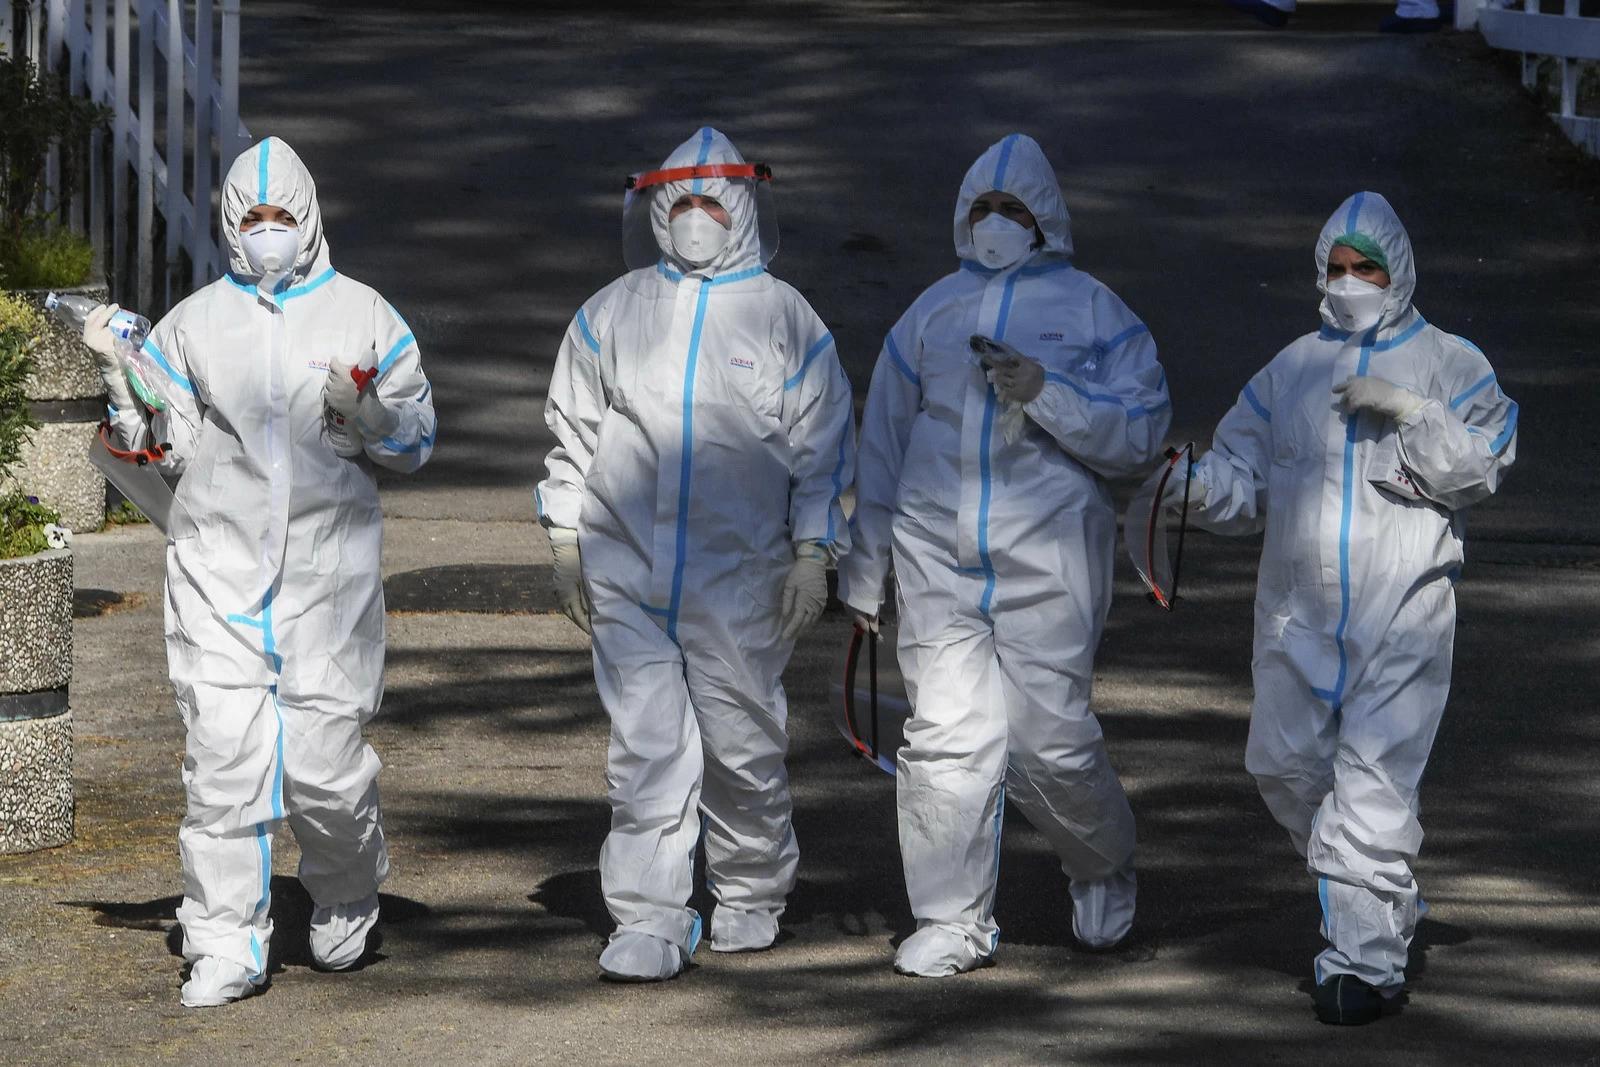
x: 124, y: 325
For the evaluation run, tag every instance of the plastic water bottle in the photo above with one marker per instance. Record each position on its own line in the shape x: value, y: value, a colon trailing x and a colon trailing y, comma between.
x: 74, y: 310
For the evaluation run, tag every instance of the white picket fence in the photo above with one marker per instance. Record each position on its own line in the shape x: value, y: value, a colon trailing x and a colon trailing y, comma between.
x: 148, y: 174
x: 1569, y: 38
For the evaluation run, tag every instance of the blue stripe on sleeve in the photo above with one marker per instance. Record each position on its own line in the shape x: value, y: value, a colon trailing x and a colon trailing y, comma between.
x: 811, y: 354
x: 588, y: 335
x: 1499, y: 443
x: 161, y: 361
x: 394, y: 352
x: 1471, y: 391
x: 1249, y: 395
x: 899, y: 361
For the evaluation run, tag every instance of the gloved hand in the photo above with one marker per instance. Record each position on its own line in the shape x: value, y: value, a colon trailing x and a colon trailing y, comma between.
x: 102, y: 342
x: 805, y: 591
x: 1375, y: 394
x: 1172, y: 492
x: 340, y: 394
x: 568, y: 578
x: 864, y: 622
x: 357, y: 405
x: 1017, y: 380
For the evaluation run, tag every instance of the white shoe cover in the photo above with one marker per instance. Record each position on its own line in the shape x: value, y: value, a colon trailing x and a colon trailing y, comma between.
x: 742, y: 931
x: 635, y: 956
x: 935, y: 952
x: 1102, y: 912
x: 214, y: 981
x: 339, y: 934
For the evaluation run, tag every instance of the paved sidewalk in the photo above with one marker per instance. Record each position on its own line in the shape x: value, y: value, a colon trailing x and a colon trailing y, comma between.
x: 494, y: 802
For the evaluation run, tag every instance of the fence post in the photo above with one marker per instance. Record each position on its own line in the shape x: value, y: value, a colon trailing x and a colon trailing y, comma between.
x: 200, y: 265
x: 144, y: 255
x: 55, y: 24
x: 76, y: 85
x: 228, y: 147
x: 175, y: 148
x: 97, y: 139
x: 117, y: 271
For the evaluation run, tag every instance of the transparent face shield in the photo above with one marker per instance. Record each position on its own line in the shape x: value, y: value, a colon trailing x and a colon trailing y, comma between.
x: 870, y: 707
x: 1144, y: 529
x: 639, y: 247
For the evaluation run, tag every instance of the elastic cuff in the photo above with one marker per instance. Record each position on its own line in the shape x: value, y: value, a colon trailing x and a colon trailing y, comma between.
x: 816, y: 550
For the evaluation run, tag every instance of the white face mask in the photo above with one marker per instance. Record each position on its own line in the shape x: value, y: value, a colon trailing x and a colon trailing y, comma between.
x: 697, y: 237
x: 271, y: 247
x: 1000, y: 242
x: 1356, y: 304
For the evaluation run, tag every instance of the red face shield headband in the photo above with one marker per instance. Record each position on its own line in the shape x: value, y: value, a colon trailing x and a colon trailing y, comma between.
x: 754, y: 171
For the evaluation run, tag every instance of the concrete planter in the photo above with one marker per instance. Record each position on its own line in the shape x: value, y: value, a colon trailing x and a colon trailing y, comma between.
x: 67, y: 397
x: 35, y: 719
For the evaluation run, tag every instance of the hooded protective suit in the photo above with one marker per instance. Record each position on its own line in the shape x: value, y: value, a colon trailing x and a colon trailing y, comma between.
x: 1355, y: 603
x: 274, y: 601
x: 1003, y: 554
x: 704, y: 429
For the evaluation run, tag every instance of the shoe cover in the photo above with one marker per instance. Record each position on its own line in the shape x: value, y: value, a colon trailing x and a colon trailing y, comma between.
x: 635, y: 956
x: 339, y: 934
x: 935, y: 952
x: 214, y: 981
x: 742, y: 931
x: 1102, y: 911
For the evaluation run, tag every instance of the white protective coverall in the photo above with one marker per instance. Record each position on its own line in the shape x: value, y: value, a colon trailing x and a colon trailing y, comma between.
x: 704, y: 427
x: 1355, y: 602
x: 274, y: 601
x: 1003, y: 556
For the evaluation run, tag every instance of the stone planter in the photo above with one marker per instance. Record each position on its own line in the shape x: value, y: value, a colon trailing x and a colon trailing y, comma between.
x: 67, y: 397
x: 35, y: 719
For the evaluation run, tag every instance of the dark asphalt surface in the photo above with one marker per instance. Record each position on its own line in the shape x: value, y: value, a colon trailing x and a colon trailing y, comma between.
x: 469, y: 158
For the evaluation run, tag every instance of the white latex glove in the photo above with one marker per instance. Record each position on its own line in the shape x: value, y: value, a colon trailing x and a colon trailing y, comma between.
x: 359, y: 407
x: 99, y: 339
x: 805, y: 591
x: 1375, y: 394
x: 1172, y: 493
x: 864, y: 622
x: 1017, y: 380
x: 568, y: 578
x: 340, y: 393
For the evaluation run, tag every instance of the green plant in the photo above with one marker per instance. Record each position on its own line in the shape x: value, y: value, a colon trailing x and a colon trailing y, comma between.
x: 23, y: 521
x: 24, y: 525
x: 124, y: 514
x: 44, y: 259
x: 36, y: 114
x: 20, y: 328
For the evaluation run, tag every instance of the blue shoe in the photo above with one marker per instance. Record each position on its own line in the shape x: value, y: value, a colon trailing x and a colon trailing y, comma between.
x: 1265, y: 12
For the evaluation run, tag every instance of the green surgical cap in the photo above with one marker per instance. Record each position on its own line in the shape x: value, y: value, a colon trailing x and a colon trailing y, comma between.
x: 1366, y: 246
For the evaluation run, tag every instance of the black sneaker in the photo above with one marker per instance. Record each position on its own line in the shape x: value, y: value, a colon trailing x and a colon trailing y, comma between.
x: 1345, y: 1000
x: 1396, y: 24
x: 1265, y: 12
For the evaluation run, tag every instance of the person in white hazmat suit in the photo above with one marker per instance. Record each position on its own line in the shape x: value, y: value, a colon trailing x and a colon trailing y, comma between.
x: 1356, y: 449
x: 705, y: 435
x: 985, y: 486
x: 274, y: 602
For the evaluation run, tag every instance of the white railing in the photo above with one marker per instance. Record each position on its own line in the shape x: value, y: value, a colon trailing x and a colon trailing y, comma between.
x: 1570, y: 38
x: 173, y: 175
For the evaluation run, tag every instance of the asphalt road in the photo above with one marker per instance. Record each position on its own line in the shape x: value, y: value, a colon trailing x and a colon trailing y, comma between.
x: 469, y: 158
